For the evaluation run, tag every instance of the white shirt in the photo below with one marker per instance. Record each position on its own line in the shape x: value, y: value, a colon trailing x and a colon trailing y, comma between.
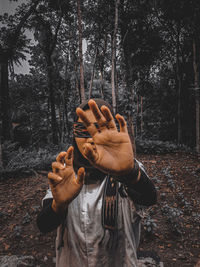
x: 86, y: 241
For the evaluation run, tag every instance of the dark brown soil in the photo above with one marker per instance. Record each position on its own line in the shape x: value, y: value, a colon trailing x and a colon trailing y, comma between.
x: 175, y: 237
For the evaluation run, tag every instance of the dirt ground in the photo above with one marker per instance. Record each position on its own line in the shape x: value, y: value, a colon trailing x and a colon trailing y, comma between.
x: 171, y: 229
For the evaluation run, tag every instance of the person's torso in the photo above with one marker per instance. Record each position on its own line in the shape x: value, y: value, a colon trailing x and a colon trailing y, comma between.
x: 87, y: 243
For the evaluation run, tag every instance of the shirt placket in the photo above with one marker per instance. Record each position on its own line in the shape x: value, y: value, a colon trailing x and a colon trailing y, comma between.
x: 85, y: 221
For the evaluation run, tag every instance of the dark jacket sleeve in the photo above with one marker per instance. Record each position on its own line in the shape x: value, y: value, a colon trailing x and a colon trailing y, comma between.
x: 143, y: 192
x: 47, y: 219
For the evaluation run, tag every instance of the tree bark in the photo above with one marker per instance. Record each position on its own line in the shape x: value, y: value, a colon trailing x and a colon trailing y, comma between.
x: 141, y: 110
x: 92, y: 75
x: 1, y: 154
x: 131, y: 132
x: 102, y: 83
x: 197, y: 95
x: 4, y: 96
x: 114, y: 40
x: 102, y: 65
x: 52, y: 101
x: 82, y: 88
x: 179, y: 80
x: 137, y: 116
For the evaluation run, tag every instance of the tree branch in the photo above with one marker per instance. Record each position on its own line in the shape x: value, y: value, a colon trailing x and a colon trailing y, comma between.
x: 56, y: 32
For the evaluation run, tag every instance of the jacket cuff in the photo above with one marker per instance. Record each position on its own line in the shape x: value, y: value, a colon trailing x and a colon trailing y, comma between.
x: 131, y: 178
x: 48, y: 219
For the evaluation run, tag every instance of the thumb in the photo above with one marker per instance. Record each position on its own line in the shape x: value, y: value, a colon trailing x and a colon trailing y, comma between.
x: 80, y: 176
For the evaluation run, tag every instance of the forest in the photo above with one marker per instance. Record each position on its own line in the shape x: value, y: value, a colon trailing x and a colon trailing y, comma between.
x: 143, y: 57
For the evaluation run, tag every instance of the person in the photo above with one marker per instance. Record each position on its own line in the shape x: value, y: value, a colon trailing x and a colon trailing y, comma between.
x: 96, y: 190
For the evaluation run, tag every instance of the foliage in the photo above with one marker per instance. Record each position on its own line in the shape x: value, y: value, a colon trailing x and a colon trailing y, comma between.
x: 30, y: 109
x: 29, y: 159
x: 148, y: 146
x: 149, y: 225
x: 154, y: 56
x: 173, y: 216
x: 13, y: 36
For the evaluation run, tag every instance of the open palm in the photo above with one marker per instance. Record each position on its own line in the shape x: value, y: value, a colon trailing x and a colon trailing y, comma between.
x: 110, y: 150
x: 65, y: 186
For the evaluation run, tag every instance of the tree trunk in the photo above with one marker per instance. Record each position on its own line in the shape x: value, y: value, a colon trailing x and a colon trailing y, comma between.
x: 102, y: 65
x: 130, y: 76
x: 198, y: 124
x: 102, y: 83
x: 82, y: 88
x: 52, y: 101
x: 92, y: 75
x: 1, y: 154
x: 137, y: 116
x: 179, y: 106
x: 114, y: 40
x: 179, y: 80
x: 131, y: 132
x: 116, y: 90
x: 4, y: 96
x: 141, y: 110
x: 197, y: 95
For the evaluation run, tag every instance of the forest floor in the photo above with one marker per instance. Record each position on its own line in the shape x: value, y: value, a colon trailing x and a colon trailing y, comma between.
x: 172, y: 228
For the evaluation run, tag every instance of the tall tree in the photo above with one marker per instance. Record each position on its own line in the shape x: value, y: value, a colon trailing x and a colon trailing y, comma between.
x: 80, y: 34
x: 196, y: 66
x: 98, y: 17
x: 196, y: 63
x: 113, y: 70
x: 140, y: 43
x: 176, y: 17
x: 47, y: 34
x: 13, y: 41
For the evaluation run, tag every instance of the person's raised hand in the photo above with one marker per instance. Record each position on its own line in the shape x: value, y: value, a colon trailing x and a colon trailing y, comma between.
x: 63, y: 182
x: 111, y: 150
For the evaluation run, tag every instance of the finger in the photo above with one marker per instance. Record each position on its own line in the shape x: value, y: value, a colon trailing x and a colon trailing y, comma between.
x: 60, y: 157
x: 54, y: 178
x: 95, y: 109
x: 56, y: 166
x: 109, y: 118
x: 122, y: 123
x: 69, y: 157
x: 90, y: 153
x: 88, y: 124
x: 98, y: 115
x: 80, y: 176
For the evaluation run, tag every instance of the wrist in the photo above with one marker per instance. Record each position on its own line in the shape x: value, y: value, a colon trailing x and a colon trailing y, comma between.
x: 133, y: 176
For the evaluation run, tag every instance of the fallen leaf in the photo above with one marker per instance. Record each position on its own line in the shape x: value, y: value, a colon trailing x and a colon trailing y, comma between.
x: 6, y: 246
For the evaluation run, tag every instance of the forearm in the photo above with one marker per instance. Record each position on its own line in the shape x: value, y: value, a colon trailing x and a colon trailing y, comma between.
x: 48, y: 220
